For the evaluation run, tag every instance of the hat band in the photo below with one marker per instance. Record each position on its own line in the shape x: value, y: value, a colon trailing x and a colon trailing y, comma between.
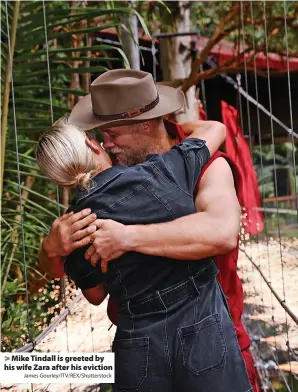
x: 129, y: 114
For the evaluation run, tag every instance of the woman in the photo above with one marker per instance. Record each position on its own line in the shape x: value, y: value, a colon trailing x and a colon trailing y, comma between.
x: 174, y: 330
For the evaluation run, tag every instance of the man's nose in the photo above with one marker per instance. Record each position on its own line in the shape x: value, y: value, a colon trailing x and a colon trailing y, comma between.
x: 108, y: 141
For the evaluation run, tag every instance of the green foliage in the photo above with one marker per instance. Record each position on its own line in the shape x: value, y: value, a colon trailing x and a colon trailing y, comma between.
x: 207, y: 18
x: 43, y: 306
x: 47, y: 82
x: 266, y: 159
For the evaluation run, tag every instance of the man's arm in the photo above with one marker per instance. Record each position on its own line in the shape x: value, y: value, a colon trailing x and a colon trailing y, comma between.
x: 68, y: 232
x: 71, y: 231
x: 212, y: 231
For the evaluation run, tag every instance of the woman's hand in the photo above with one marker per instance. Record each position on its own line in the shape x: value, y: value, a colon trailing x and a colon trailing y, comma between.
x: 69, y: 232
x: 109, y: 242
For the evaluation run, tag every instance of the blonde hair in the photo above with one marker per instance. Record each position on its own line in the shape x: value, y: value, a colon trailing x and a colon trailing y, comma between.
x: 64, y: 157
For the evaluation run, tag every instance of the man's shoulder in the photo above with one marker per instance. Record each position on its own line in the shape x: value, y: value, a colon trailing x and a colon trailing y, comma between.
x: 229, y: 164
x: 224, y: 157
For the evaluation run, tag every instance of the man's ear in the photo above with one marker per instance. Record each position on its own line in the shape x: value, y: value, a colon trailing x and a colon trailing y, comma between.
x: 93, y: 145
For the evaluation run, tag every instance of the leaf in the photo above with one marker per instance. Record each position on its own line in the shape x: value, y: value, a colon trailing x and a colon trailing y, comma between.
x: 81, y: 31
x: 85, y: 58
x: 26, y: 173
x: 66, y: 71
x: 21, y: 164
x: 13, y: 333
x: 23, y: 156
x: 94, y: 48
x: 36, y: 194
x: 42, y: 103
x: 35, y: 205
x: 66, y: 37
x: 141, y: 20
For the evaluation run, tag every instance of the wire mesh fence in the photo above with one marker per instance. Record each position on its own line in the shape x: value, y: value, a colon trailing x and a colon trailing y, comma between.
x: 268, y: 262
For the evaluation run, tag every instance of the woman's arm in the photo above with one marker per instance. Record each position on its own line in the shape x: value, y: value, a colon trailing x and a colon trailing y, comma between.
x: 68, y: 232
x: 95, y: 295
x: 213, y: 132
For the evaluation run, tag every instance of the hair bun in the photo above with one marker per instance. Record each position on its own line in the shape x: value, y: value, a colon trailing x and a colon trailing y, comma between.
x: 83, y: 180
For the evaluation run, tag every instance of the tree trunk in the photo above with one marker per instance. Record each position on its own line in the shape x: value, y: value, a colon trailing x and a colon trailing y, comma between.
x: 176, y: 62
x: 130, y: 38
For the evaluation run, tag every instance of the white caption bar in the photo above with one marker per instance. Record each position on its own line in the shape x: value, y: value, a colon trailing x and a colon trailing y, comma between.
x: 42, y: 368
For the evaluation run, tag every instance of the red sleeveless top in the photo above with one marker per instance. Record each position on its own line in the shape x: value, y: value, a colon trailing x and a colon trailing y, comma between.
x: 227, y: 264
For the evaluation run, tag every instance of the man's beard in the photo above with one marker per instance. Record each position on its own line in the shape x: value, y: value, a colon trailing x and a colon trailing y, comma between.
x: 128, y: 157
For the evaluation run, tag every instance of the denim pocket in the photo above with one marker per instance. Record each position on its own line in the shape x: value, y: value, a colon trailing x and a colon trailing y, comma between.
x: 131, y: 363
x: 225, y: 300
x: 203, y: 345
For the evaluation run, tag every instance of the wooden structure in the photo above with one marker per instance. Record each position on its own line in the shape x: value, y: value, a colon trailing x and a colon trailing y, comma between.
x: 254, y: 121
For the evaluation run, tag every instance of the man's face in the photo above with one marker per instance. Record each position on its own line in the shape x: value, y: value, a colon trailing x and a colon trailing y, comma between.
x: 127, y: 144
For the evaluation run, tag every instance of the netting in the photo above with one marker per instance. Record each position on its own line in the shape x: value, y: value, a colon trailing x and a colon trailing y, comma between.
x: 267, y: 265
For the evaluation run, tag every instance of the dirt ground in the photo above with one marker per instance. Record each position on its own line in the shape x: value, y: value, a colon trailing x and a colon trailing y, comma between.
x: 76, y: 335
x: 279, y: 264
x: 273, y: 332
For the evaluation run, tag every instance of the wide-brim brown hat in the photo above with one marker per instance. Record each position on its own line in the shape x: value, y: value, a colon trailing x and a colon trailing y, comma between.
x: 122, y: 97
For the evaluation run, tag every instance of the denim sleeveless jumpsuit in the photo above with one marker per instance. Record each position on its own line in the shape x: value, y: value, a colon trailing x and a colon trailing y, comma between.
x: 175, y: 332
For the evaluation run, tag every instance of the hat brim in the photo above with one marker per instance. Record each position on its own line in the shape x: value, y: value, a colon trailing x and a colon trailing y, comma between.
x: 170, y: 100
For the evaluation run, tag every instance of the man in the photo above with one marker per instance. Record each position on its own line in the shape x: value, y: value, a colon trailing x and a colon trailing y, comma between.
x: 212, y: 231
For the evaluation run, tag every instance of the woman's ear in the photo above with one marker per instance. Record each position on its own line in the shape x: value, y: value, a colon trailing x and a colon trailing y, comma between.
x: 93, y: 145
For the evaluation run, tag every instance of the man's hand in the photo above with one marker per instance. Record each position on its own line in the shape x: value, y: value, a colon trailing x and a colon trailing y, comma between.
x: 109, y: 242
x: 69, y: 232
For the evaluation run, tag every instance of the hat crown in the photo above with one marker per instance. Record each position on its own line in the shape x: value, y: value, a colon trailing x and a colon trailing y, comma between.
x: 120, y: 91
x: 124, y: 97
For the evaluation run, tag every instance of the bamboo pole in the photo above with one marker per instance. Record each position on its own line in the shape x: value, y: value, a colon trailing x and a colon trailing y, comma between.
x: 6, y: 90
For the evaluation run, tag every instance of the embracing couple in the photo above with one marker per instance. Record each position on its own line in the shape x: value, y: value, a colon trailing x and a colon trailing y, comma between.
x: 154, y: 223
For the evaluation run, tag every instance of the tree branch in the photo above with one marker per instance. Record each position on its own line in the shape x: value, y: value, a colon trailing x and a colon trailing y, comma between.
x: 228, y: 24
x: 224, y: 28
x: 277, y: 18
x: 215, y: 71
